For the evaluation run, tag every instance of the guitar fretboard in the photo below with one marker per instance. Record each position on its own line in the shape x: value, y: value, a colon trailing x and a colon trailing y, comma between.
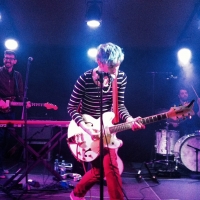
x: 32, y: 104
x: 145, y: 120
x: 153, y: 118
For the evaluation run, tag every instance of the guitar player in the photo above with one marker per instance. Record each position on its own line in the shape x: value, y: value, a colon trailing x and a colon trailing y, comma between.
x: 85, y: 98
x: 11, y: 87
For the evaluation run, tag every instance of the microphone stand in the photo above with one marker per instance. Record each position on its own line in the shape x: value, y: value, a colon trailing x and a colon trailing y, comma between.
x: 24, y: 117
x: 101, y: 76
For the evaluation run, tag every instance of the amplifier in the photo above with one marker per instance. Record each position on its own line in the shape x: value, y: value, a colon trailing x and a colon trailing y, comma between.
x: 39, y: 132
x: 37, y: 145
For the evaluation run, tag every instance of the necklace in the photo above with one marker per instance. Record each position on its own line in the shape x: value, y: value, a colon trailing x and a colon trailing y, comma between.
x: 104, y: 91
x: 109, y: 86
x: 106, y: 82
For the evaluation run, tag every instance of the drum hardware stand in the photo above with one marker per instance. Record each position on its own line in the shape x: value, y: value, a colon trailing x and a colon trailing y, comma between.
x: 152, y: 176
x: 152, y: 163
x: 197, y: 174
x: 167, y: 143
x: 154, y: 73
x: 168, y: 169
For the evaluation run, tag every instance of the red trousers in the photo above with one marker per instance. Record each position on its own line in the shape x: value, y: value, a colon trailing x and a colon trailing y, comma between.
x: 111, y: 172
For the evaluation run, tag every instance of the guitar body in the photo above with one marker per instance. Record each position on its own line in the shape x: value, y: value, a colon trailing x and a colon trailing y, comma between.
x: 81, y: 143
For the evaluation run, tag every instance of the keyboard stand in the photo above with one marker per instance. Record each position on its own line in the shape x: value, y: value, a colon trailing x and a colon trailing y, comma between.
x: 39, y: 156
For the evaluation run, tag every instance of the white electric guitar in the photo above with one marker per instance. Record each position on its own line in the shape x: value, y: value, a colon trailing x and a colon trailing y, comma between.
x: 86, y: 149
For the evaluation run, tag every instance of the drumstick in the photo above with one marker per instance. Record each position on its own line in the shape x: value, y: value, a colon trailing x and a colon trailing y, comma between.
x: 195, y: 91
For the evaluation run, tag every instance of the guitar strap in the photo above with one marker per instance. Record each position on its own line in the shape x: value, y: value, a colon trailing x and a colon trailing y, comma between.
x: 115, y: 101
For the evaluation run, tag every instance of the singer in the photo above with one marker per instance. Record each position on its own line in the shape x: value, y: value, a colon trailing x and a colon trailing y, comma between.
x: 85, y: 99
x: 11, y: 87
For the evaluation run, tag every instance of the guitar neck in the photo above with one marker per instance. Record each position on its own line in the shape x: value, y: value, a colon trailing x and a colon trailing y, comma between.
x: 153, y: 118
x: 21, y: 104
x: 145, y: 120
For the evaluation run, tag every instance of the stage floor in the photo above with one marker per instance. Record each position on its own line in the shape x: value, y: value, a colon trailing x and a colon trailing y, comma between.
x: 156, y: 183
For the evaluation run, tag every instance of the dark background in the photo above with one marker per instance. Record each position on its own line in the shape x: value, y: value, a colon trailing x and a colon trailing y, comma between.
x: 54, y: 33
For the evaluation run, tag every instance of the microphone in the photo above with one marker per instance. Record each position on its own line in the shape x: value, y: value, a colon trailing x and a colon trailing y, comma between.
x: 30, y: 59
x: 102, y: 74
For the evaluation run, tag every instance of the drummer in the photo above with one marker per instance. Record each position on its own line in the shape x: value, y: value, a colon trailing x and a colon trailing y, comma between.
x: 191, y: 124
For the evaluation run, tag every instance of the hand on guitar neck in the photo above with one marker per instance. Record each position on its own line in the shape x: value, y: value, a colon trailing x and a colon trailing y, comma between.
x: 136, y: 123
x: 3, y: 104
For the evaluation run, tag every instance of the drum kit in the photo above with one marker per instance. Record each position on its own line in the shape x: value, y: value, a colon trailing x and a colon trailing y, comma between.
x: 185, y: 150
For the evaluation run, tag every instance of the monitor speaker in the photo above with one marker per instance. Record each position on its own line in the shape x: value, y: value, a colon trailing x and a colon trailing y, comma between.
x: 39, y: 132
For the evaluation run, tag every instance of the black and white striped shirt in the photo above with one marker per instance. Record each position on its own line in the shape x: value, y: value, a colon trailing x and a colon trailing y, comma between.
x: 85, y: 98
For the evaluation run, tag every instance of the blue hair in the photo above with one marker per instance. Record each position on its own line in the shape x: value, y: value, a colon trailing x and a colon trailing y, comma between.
x: 109, y: 54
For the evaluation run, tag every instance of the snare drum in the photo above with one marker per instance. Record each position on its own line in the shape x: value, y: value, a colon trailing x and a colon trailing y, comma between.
x: 185, y: 154
x: 162, y: 145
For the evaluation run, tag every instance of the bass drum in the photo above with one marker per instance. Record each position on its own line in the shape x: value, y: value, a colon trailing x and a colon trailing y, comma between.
x: 162, y: 145
x: 185, y: 151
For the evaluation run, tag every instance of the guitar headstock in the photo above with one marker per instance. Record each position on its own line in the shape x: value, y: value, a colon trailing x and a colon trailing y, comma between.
x: 50, y: 106
x: 181, y: 112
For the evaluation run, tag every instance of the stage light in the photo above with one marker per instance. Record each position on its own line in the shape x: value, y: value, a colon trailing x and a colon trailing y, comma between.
x: 93, y: 13
x: 184, y: 57
x: 11, y: 44
x: 184, y: 61
x: 92, y: 52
